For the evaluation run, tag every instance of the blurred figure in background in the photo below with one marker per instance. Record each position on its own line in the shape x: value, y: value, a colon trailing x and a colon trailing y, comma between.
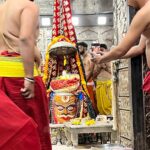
x: 88, y: 66
x: 102, y: 77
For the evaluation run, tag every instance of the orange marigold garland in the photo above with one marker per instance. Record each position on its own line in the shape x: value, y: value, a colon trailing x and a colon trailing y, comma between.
x: 83, y: 81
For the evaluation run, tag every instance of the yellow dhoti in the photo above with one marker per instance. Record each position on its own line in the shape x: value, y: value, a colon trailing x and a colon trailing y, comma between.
x: 104, y: 97
x: 13, y: 67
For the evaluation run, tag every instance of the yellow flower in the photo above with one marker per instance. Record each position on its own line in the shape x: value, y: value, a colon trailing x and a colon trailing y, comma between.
x: 90, y: 122
x: 76, y: 121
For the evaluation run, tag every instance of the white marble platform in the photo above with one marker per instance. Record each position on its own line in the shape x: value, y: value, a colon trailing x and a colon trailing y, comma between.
x: 72, y: 131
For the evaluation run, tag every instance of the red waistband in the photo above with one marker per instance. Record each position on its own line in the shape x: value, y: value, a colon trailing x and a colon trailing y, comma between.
x: 9, y: 54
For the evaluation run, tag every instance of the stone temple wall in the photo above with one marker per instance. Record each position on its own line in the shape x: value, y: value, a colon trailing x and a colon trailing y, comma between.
x: 1, y: 1
x: 102, y: 34
x: 124, y: 110
x: 78, y: 6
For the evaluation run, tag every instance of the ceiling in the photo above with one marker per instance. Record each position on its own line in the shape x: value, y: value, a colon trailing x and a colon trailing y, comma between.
x: 86, y: 10
x: 79, y: 6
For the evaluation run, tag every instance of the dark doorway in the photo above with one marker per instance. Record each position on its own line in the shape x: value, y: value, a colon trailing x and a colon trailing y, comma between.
x: 138, y: 103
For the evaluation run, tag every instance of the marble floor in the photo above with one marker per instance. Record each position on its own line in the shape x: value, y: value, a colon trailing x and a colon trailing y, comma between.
x: 64, y: 147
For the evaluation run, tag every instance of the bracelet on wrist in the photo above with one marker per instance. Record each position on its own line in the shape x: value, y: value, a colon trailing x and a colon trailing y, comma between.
x: 29, y: 79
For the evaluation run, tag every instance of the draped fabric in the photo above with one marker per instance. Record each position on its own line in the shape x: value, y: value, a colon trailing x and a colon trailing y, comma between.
x: 104, y: 97
x: 17, y: 130
x: 62, y: 20
x: 146, y: 83
x: 36, y: 108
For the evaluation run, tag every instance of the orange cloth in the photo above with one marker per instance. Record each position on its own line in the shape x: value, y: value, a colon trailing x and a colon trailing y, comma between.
x: 90, y: 87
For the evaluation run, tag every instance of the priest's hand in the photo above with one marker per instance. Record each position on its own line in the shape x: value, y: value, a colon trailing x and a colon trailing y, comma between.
x: 96, y: 58
x: 28, y: 90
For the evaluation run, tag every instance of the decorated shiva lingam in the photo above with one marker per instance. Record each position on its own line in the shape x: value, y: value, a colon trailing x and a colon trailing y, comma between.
x: 64, y: 101
x: 66, y: 83
x: 63, y: 72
